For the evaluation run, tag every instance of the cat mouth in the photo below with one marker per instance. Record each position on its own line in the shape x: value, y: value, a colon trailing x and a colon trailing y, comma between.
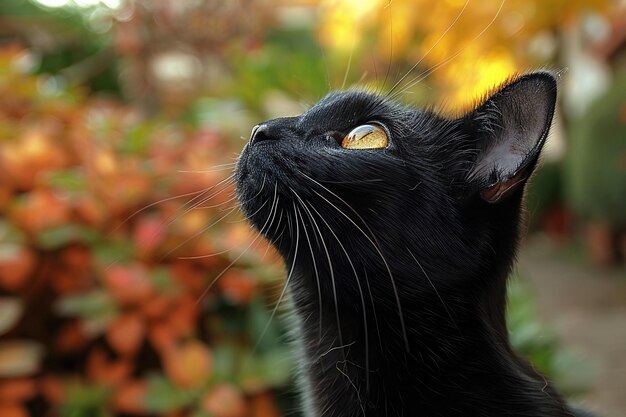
x: 260, y: 186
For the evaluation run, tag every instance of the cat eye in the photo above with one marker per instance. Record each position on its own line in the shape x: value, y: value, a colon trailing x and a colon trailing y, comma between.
x: 369, y: 136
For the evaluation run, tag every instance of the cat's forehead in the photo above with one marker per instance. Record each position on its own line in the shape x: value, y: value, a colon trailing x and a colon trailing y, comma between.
x: 345, y: 110
x: 346, y: 107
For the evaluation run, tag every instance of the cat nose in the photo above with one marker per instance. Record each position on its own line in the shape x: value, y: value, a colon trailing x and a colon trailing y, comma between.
x: 260, y: 133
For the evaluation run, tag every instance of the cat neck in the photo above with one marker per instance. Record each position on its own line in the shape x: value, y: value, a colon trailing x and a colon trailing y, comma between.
x: 453, y: 359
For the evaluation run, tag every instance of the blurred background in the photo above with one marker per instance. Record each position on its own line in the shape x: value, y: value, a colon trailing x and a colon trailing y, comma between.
x: 129, y: 287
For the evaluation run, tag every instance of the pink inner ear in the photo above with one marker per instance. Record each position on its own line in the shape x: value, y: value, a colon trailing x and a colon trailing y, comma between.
x: 514, y: 122
x: 505, y: 188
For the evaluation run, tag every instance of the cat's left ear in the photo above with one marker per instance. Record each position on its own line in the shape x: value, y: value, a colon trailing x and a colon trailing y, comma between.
x: 509, y: 130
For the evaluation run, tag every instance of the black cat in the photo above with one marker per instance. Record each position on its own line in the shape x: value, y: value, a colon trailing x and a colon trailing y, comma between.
x: 399, y: 228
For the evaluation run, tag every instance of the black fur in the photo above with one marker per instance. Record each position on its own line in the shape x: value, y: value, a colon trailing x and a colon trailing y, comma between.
x: 397, y: 266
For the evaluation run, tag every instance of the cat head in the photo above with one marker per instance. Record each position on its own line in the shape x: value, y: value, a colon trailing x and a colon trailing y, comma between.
x: 372, y: 184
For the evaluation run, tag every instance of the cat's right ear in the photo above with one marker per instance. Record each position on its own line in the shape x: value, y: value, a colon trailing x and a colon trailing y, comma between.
x: 508, y: 131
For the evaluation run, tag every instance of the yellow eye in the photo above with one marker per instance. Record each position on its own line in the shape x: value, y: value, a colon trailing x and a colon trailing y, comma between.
x: 365, y: 137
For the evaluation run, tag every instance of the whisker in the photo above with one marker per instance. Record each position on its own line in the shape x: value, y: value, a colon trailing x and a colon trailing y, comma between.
x: 431, y: 48
x: 163, y: 224
x: 345, y: 76
x: 206, y: 171
x: 191, y: 207
x: 358, y: 283
x: 390, y: 46
x: 353, y: 386
x: 434, y: 288
x: 285, y: 286
x: 272, y: 209
x: 195, y: 235
x: 208, y: 190
x: 331, y: 270
x: 232, y: 198
x: 428, y: 72
x: 369, y: 290
x: 141, y: 210
x: 374, y: 244
x: 313, y: 260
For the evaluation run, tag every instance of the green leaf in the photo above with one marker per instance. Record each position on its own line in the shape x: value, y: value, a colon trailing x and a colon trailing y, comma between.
x: 225, y: 360
x: 96, y: 309
x: 538, y: 342
x: 19, y: 358
x: 270, y: 370
x: 200, y: 413
x: 163, y: 396
x: 58, y: 237
x: 162, y: 280
x: 69, y: 180
x: 117, y: 251
x: 137, y: 139
x: 9, y: 233
x: 11, y: 309
x: 85, y: 401
x: 264, y: 329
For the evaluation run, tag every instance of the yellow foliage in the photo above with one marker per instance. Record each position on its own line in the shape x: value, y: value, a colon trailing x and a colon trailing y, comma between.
x: 469, y: 46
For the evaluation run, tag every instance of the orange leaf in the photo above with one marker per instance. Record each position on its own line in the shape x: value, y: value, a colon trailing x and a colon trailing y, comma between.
x: 17, y: 390
x: 129, y: 398
x: 6, y: 194
x: 157, y: 307
x: 66, y: 281
x: 87, y: 209
x: 148, y: 234
x: 225, y: 401
x: 108, y: 372
x: 52, y: 389
x: 71, y: 338
x: 162, y: 337
x: 26, y: 159
x: 183, y: 316
x: 237, y: 286
x: 129, y: 284
x: 16, y: 265
x: 189, y: 365
x: 40, y: 209
x: 189, y: 275
x: 13, y: 410
x: 126, y: 334
x: 77, y: 257
x: 264, y: 405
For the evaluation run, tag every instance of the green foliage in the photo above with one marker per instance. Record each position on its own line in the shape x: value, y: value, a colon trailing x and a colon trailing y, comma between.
x: 65, y: 40
x: 544, y: 191
x: 291, y: 62
x: 596, y: 168
x: 85, y: 401
x: 163, y: 396
x: 537, y: 342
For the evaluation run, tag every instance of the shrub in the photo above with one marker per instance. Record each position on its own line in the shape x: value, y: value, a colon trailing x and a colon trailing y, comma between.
x: 596, y: 170
x: 100, y: 313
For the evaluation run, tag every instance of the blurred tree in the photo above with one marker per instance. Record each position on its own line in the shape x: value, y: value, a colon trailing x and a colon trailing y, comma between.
x: 158, y: 54
x: 68, y: 42
x: 468, y: 47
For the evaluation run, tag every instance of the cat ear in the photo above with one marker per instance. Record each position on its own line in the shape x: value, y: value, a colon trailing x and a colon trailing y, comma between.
x: 510, y: 129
